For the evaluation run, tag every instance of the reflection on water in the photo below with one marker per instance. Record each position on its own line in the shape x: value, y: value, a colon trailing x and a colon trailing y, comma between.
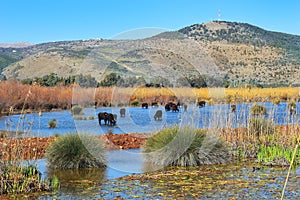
x: 142, y: 121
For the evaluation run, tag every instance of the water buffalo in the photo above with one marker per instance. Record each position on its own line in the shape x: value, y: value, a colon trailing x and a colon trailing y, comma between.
x: 292, y: 111
x: 158, y: 115
x: 107, y: 117
x: 145, y: 105
x: 201, y: 104
x: 175, y: 108
x: 154, y: 104
x: 232, y: 108
x: 167, y: 107
x: 122, y: 112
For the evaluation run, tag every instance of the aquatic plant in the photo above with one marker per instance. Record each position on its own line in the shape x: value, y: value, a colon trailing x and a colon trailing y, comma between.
x: 77, y: 117
x: 277, y: 155
x: 16, y: 178
x: 52, y: 123
x: 185, y: 146
x: 77, y: 110
x: 257, y: 109
x: 73, y: 151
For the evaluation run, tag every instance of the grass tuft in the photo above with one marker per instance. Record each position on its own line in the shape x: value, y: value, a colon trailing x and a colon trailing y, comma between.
x: 75, y: 151
x: 185, y: 146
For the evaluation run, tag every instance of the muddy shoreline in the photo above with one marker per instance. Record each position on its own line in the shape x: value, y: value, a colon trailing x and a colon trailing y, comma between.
x: 35, y: 147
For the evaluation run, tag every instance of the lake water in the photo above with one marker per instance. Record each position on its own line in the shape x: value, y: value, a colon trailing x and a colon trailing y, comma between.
x: 97, y: 183
x: 141, y: 120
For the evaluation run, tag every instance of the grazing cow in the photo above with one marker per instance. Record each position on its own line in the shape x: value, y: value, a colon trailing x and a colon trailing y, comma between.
x: 115, y: 117
x: 292, y: 110
x: 145, y: 105
x: 175, y: 108
x: 107, y: 117
x: 158, y: 115
x: 232, y: 108
x: 179, y: 104
x: 122, y: 112
x: 154, y: 104
x: 201, y: 104
x: 184, y: 107
x: 167, y: 107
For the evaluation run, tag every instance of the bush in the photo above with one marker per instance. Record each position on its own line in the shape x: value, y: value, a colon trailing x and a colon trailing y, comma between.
x: 52, y: 123
x: 258, y: 110
x: 185, y: 146
x: 77, y: 110
x: 75, y: 151
x: 134, y: 102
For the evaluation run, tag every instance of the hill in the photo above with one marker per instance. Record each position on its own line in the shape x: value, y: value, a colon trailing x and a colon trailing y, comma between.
x: 238, y: 52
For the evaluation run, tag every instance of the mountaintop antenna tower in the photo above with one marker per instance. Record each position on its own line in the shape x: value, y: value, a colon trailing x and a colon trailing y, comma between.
x: 219, y: 15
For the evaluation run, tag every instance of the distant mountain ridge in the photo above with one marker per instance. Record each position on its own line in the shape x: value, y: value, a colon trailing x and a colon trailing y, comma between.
x: 237, y: 52
x: 15, y: 45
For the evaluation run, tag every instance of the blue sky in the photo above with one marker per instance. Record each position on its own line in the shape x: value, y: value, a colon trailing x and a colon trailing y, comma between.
x: 38, y: 21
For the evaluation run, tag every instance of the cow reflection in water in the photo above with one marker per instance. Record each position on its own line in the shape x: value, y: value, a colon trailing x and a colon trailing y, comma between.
x: 108, y: 118
x: 158, y: 115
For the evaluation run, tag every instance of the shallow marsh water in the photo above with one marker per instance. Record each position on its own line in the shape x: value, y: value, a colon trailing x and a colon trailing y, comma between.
x: 224, y: 181
x: 141, y: 120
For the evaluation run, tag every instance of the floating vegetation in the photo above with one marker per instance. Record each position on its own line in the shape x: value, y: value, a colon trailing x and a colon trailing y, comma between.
x: 78, y: 117
x: 257, y: 109
x: 77, y: 110
x: 52, y: 123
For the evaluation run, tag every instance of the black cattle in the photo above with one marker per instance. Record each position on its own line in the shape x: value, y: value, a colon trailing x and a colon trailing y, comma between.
x: 145, y: 105
x: 154, y: 104
x: 292, y: 111
x: 175, y: 108
x: 179, y: 104
x: 232, y: 108
x: 201, y: 104
x: 107, y: 117
x: 167, y: 107
x: 158, y: 115
x: 122, y: 112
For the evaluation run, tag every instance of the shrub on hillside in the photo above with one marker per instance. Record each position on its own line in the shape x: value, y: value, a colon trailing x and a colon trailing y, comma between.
x: 185, y: 146
x: 75, y: 151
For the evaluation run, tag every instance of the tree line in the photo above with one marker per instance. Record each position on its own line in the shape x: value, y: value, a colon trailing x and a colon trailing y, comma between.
x: 114, y: 79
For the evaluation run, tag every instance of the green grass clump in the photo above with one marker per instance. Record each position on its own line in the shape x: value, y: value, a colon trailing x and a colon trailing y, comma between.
x: 75, y: 151
x: 185, y: 146
x: 277, y: 155
x: 17, y: 179
x: 52, y: 123
x: 258, y: 110
x: 77, y: 110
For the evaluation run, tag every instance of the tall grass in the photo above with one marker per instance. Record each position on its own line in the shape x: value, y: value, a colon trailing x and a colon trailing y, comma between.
x: 75, y: 151
x: 15, y: 176
x: 185, y: 146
